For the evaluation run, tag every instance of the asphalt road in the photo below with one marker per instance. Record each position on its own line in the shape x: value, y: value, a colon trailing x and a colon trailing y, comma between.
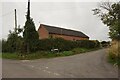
x: 88, y: 65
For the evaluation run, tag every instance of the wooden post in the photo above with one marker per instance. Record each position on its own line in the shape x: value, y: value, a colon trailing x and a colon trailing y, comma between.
x: 15, y: 22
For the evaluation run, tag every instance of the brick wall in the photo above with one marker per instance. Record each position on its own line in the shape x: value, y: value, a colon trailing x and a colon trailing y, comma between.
x: 68, y: 37
x: 43, y: 33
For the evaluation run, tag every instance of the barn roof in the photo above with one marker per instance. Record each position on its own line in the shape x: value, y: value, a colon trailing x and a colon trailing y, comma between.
x: 57, y: 30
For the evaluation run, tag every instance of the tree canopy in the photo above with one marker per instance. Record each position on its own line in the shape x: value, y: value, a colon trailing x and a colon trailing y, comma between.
x: 30, y: 34
x: 110, y: 15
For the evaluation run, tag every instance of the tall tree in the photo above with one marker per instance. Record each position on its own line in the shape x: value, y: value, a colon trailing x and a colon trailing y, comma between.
x: 30, y: 34
x: 110, y: 15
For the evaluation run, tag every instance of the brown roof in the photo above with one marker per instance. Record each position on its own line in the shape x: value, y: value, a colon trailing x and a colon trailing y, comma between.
x: 56, y: 30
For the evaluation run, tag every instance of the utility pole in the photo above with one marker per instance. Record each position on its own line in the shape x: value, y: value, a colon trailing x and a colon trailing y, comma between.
x: 15, y: 22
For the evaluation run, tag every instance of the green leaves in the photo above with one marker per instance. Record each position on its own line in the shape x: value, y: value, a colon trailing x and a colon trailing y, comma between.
x: 30, y: 35
x: 110, y: 15
x: 65, y: 45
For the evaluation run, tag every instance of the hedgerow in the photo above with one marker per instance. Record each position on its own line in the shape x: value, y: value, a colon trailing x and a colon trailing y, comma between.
x: 47, y: 45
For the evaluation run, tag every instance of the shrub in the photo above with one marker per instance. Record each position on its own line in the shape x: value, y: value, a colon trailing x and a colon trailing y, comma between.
x: 65, y: 45
x: 114, y: 52
x: 13, y: 44
x: 87, y: 44
x: 79, y: 50
x: 97, y: 43
x: 105, y: 43
x: 17, y: 44
x: 57, y: 43
x: 4, y: 46
x: 0, y: 46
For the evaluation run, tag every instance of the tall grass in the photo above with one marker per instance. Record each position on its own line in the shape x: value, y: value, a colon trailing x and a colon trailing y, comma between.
x: 114, y: 52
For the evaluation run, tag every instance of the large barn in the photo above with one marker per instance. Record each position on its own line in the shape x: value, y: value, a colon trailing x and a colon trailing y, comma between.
x: 47, y: 31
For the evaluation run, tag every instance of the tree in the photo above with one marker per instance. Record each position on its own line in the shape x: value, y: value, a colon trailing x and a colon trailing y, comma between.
x: 0, y: 46
x: 30, y: 34
x: 13, y: 43
x: 110, y: 15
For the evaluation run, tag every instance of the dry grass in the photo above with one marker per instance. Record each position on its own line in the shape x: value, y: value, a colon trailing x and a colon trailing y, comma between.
x: 114, y: 48
x: 114, y: 52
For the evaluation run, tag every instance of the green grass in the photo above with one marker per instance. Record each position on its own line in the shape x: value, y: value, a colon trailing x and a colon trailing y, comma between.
x: 67, y: 53
x: 113, y: 59
x: 44, y: 54
x: 0, y: 55
x: 80, y: 50
x: 113, y: 53
x: 10, y: 55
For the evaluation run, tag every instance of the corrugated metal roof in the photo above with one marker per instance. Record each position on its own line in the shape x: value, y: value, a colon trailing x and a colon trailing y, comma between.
x: 62, y: 31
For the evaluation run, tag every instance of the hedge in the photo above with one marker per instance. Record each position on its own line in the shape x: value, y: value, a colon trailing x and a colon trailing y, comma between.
x: 65, y: 45
x: 48, y: 44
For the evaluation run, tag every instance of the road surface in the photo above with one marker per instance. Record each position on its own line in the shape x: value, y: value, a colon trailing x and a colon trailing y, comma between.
x: 88, y: 65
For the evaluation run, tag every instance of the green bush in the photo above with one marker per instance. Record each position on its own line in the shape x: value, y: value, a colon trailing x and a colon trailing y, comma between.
x: 58, y: 43
x: 114, y: 59
x: 12, y: 45
x: 17, y: 44
x: 65, y: 45
x: 4, y: 46
x: 79, y: 50
x: 105, y: 43
x: 0, y: 46
x: 66, y: 53
x: 87, y: 44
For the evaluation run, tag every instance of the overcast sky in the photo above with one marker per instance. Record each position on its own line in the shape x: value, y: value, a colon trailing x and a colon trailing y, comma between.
x: 71, y: 15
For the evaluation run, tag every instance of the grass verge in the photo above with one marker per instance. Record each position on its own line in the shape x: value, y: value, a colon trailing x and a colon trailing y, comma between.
x: 114, y: 52
x: 113, y: 59
x: 0, y: 55
x: 44, y: 54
